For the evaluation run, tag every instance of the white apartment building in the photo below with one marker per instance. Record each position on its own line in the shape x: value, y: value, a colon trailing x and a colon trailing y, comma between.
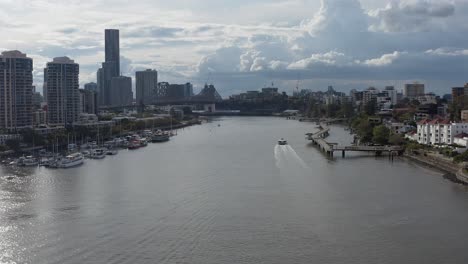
x: 439, y: 131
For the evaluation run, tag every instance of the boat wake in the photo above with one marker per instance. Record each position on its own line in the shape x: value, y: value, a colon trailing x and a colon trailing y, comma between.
x: 286, y: 156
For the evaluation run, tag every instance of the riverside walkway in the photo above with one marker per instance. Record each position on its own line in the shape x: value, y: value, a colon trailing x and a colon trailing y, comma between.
x: 319, y: 139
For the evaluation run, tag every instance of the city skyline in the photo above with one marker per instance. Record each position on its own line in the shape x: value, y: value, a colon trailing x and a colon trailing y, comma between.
x: 352, y: 45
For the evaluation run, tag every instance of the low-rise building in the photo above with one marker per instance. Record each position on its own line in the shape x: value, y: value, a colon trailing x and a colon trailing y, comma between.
x: 464, y: 116
x: 439, y: 131
x: 45, y: 130
x: 5, y: 137
x: 39, y: 117
x: 461, y: 140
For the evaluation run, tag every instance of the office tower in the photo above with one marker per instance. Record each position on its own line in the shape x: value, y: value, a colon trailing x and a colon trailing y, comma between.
x: 188, y: 90
x: 16, y: 90
x: 414, y: 90
x: 44, y: 85
x: 110, y: 67
x: 88, y: 101
x: 91, y: 87
x: 37, y: 99
x: 100, y: 86
x: 62, y: 91
x: 122, y: 94
x: 112, y: 44
x: 146, y: 85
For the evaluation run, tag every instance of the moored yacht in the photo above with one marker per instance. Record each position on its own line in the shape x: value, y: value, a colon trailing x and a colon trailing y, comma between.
x: 69, y: 161
x: 143, y: 142
x: 28, y: 161
x: 134, y: 144
x: 160, y: 136
x: 112, y: 151
x: 97, y: 154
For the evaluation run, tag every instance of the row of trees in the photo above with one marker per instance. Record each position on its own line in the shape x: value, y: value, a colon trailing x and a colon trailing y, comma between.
x: 369, y: 132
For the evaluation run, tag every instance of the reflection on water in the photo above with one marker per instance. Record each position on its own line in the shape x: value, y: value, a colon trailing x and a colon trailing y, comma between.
x: 216, y: 194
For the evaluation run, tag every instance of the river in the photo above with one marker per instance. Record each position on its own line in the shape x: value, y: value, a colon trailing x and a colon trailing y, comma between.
x: 228, y: 194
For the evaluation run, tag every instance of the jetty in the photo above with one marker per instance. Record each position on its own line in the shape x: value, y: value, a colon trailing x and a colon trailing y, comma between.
x: 319, y: 139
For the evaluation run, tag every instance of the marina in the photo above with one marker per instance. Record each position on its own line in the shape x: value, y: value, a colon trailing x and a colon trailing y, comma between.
x: 76, y: 154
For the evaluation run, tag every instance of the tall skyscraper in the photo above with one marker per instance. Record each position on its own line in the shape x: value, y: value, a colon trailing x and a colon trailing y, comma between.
x: 110, y: 67
x: 112, y: 43
x: 16, y: 90
x: 146, y: 86
x: 122, y: 94
x: 62, y: 91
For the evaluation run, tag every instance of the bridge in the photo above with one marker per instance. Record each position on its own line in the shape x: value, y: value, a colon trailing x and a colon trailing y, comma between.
x: 318, y: 138
x: 208, y: 97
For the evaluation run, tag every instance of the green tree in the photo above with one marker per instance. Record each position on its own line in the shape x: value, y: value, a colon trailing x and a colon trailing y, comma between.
x: 32, y: 138
x: 13, y: 144
x: 346, y: 110
x: 396, y: 139
x: 363, y: 128
x: 381, y: 135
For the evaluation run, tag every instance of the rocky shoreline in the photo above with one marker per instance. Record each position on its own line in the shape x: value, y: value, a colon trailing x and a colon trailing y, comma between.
x: 452, y: 172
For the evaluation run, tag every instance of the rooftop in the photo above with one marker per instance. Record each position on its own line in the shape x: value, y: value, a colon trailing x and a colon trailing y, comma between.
x: 13, y: 54
x: 63, y: 60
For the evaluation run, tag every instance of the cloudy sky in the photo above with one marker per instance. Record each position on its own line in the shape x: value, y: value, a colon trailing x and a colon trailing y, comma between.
x: 246, y: 44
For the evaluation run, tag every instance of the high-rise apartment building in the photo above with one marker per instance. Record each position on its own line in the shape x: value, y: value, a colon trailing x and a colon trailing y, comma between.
x: 459, y: 93
x: 167, y: 91
x: 122, y: 94
x: 146, y: 86
x: 16, y: 90
x: 91, y: 87
x: 88, y: 101
x: 62, y: 91
x: 414, y: 90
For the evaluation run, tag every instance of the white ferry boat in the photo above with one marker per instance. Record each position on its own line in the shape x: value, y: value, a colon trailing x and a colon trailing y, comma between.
x: 282, y: 142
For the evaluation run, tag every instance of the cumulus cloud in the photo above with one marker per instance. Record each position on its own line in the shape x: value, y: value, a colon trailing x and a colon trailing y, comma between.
x: 384, y: 60
x: 337, y: 16
x: 412, y: 16
x: 331, y: 58
x: 340, y: 40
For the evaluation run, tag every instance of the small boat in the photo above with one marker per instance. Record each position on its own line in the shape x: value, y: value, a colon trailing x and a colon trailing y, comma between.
x: 134, y: 144
x: 112, y: 152
x: 143, y: 142
x: 282, y: 142
x: 86, y: 153
x: 28, y: 161
x: 97, y: 154
x: 69, y: 161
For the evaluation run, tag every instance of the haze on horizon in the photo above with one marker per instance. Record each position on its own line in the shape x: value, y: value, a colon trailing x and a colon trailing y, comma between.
x: 245, y: 45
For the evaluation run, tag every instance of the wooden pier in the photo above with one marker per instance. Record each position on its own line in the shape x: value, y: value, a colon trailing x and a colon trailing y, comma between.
x: 328, y: 148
